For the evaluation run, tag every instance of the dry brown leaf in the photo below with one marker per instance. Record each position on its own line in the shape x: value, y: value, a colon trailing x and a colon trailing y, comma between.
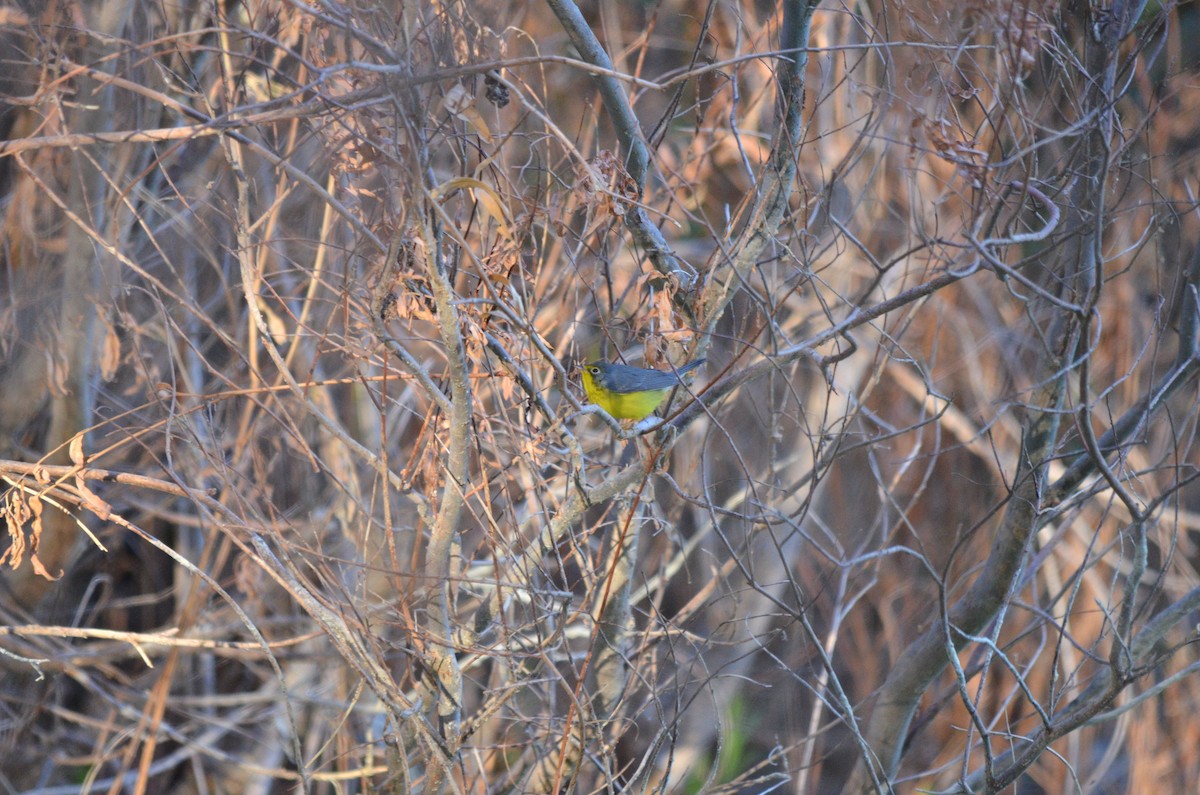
x: 615, y: 189
x: 35, y: 519
x: 75, y: 450
x: 16, y: 513
x: 275, y: 324
x: 460, y: 104
x: 91, y: 501
x: 487, y: 197
x: 57, y: 371
x: 23, y: 517
x: 110, y: 354
x: 40, y: 569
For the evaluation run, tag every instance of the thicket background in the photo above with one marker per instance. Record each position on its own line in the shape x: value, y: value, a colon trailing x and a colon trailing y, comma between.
x: 298, y: 491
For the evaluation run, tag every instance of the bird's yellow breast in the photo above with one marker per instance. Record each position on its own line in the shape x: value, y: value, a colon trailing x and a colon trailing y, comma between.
x: 622, y: 405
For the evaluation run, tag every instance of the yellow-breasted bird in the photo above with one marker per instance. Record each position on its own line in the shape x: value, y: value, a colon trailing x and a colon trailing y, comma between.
x: 630, y: 393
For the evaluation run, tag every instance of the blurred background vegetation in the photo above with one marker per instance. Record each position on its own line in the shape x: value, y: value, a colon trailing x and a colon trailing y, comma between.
x: 299, y: 487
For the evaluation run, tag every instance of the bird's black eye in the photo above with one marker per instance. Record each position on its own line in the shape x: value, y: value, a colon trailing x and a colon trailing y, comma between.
x: 594, y: 370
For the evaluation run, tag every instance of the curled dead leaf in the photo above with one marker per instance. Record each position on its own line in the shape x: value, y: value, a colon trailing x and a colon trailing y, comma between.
x: 110, y: 354
x: 461, y: 104
x: 91, y: 501
x: 604, y: 186
x: 489, y: 200
x: 75, y: 450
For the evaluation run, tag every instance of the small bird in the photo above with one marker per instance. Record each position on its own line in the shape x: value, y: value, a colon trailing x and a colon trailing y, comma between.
x: 630, y: 393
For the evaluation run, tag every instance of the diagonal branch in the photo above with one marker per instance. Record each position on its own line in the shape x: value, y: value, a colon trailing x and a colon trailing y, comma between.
x: 633, y: 144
